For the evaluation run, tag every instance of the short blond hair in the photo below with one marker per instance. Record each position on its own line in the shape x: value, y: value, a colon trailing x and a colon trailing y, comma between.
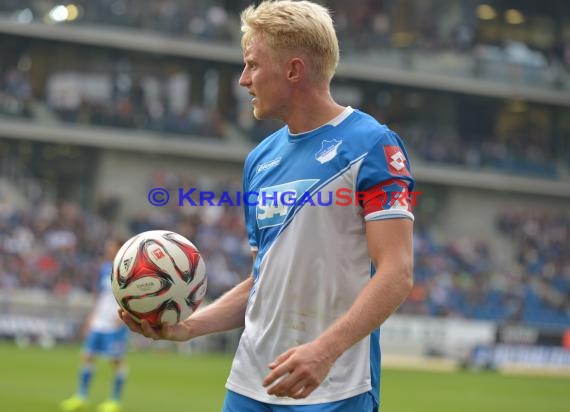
x: 295, y: 26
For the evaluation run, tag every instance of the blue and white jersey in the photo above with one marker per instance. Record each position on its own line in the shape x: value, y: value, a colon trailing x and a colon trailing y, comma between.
x: 308, y: 197
x: 105, y: 317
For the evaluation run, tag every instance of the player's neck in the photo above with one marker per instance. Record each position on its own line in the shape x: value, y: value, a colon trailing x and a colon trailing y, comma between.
x: 311, y: 111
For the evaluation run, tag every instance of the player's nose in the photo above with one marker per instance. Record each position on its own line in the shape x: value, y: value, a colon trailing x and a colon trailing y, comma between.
x: 244, y: 79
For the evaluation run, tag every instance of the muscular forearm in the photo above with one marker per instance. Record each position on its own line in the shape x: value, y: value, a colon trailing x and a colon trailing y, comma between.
x: 377, y: 301
x: 226, y: 313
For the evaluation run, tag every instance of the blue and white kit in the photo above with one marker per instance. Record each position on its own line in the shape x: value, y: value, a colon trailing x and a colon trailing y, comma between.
x: 308, y: 227
x: 107, y: 334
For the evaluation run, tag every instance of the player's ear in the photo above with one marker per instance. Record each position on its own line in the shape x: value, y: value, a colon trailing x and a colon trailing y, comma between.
x: 296, y: 69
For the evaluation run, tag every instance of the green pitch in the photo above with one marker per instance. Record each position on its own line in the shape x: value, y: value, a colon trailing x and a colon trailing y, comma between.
x: 34, y: 380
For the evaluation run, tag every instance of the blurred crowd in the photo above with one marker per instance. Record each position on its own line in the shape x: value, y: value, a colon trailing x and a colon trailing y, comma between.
x: 56, y: 247
x: 159, y: 95
x: 15, y: 94
x: 364, y: 27
x: 143, y: 103
x: 132, y: 111
x: 518, y: 154
x: 542, y: 242
x: 119, y: 101
x: 463, y: 278
x: 50, y: 247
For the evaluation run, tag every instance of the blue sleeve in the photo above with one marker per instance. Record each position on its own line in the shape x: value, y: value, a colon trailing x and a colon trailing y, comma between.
x: 249, y: 210
x: 386, y: 160
x: 386, y: 181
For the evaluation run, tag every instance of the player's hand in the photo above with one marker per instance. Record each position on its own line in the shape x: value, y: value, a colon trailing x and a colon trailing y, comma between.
x: 302, y: 369
x: 142, y: 327
x: 178, y: 332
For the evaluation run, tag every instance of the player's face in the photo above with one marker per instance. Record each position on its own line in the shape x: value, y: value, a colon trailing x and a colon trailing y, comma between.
x: 265, y: 77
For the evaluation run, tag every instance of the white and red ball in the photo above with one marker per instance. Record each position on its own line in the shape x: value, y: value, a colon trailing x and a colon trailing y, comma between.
x: 159, y: 276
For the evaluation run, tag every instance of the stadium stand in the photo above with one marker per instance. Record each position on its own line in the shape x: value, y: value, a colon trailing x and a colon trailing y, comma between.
x: 389, y: 32
x: 463, y: 279
x: 54, y: 247
x: 507, y: 114
x: 140, y: 96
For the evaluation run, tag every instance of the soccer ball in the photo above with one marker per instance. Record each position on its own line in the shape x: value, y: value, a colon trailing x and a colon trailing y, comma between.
x: 159, y: 276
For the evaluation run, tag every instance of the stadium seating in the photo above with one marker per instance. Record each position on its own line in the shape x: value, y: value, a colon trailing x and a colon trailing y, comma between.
x: 461, y: 46
x: 55, y: 247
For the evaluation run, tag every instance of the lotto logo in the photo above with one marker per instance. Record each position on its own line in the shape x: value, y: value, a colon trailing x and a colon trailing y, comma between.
x: 396, y: 160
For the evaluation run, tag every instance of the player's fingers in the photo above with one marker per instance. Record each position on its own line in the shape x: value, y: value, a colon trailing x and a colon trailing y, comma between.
x: 292, y: 387
x: 282, y: 358
x: 280, y: 367
x: 283, y: 387
x: 148, y: 331
x: 297, y: 389
x: 129, y: 321
x: 277, y: 372
x: 121, y: 315
x: 305, y: 392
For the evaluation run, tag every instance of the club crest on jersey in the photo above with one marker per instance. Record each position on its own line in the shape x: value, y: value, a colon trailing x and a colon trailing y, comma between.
x: 396, y: 160
x: 275, y: 202
x: 329, y: 150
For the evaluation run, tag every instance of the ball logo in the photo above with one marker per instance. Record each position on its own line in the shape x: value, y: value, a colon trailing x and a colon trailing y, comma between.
x: 126, y: 266
x: 145, y: 286
x: 158, y: 253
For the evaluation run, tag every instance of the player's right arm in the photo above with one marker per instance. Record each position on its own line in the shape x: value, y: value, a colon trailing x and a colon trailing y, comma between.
x: 226, y: 313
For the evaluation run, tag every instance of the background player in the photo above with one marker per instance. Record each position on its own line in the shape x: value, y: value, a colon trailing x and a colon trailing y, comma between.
x: 106, y: 336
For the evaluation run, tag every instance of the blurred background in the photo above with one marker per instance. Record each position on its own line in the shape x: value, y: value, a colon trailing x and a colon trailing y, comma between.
x: 103, y: 100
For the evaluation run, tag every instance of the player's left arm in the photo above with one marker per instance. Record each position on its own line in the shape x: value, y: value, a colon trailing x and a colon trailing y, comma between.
x: 304, y: 367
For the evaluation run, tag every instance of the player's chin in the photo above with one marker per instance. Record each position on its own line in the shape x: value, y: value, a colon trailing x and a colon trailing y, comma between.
x: 262, y: 112
x: 258, y: 114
